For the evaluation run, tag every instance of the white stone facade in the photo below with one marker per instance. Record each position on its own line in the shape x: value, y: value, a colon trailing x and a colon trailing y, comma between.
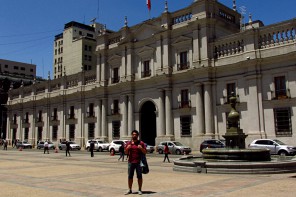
x: 170, y: 78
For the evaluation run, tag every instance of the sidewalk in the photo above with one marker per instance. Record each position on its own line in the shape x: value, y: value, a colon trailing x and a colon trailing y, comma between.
x: 32, y: 173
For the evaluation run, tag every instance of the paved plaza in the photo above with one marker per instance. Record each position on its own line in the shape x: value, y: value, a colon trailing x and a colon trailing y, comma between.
x: 32, y: 173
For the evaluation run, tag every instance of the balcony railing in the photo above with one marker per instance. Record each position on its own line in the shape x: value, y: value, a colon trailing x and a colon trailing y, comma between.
x: 280, y: 94
x: 90, y: 114
x: 184, y: 104
x: 71, y: 116
x: 183, y: 66
x: 146, y: 73
x: 115, y: 111
x: 115, y: 80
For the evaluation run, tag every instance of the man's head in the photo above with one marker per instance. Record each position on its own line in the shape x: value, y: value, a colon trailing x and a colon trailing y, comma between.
x: 135, y: 134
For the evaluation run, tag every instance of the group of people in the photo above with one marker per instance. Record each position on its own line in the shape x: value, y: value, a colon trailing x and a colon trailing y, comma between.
x: 134, y: 150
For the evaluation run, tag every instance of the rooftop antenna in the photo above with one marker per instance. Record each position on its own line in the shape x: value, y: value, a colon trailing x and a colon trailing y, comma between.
x: 243, y: 11
x: 98, y: 10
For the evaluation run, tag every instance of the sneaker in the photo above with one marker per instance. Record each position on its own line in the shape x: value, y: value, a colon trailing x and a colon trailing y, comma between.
x: 128, y: 192
x: 140, y: 192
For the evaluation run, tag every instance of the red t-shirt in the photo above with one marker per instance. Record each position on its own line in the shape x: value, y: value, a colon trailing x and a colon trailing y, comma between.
x: 134, y: 155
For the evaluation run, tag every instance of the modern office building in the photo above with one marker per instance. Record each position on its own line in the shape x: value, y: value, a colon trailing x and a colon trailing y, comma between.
x: 74, y: 49
x: 12, y: 74
x: 170, y: 78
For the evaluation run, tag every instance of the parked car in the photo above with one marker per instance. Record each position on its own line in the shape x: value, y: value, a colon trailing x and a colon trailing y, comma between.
x: 100, y: 145
x: 40, y: 145
x: 275, y: 146
x: 23, y: 144
x: 149, y: 148
x: 115, y: 144
x: 211, y: 143
x: 73, y: 146
x: 174, y: 147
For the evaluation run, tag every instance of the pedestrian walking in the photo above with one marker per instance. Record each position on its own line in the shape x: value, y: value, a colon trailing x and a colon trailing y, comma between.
x: 166, y: 153
x: 45, y: 148
x: 13, y: 143
x: 121, y: 152
x: 91, y: 148
x: 135, y: 149
x: 5, y: 145
x: 68, y: 149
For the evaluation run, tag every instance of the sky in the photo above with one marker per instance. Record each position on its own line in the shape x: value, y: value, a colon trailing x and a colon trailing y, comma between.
x: 28, y: 27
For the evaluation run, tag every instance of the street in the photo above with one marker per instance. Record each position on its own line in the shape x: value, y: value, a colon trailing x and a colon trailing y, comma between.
x: 32, y: 173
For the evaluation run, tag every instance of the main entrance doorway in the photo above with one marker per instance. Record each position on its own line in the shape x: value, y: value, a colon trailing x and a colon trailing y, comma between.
x: 148, y: 123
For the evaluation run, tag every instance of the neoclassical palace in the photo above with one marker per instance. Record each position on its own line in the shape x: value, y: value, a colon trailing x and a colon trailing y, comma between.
x: 170, y: 77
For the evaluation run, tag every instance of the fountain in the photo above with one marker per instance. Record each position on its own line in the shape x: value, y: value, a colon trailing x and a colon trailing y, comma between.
x: 235, y: 158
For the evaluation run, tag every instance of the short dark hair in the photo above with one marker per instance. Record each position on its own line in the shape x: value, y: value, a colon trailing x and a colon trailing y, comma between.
x: 135, y: 131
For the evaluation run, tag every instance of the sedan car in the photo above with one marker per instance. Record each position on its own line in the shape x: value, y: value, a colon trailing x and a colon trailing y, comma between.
x: 174, y: 147
x: 275, y: 146
x: 73, y: 146
x: 23, y: 144
x: 41, y: 145
x: 212, y: 143
x: 149, y: 148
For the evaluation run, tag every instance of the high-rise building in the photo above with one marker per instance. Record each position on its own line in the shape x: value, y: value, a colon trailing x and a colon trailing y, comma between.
x: 74, y: 49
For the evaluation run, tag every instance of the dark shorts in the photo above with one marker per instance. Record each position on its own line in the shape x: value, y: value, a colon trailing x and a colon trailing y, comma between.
x: 131, y: 169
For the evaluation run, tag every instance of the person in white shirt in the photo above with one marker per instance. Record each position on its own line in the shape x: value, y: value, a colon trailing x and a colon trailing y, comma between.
x: 46, y: 147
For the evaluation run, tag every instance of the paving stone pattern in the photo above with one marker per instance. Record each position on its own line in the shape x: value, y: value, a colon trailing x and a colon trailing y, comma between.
x: 32, y: 173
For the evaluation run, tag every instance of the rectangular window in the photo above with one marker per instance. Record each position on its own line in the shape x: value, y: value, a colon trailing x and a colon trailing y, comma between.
x: 55, y: 114
x: 116, y: 129
x: 39, y: 116
x: 185, y: 122
x: 282, y: 119
x: 23, y: 68
x: 26, y: 117
x: 184, y: 99
x: 6, y: 66
x: 26, y: 134
x: 85, y: 47
x: 72, y: 132
x: 91, y: 130
x: 54, y: 132
x: 115, y: 109
x: 91, y: 112
x: 14, y: 119
x: 230, y: 89
x: 72, y: 113
x: 280, y: 87
x: 115, y: 78
x: 39, y: 133
x: 184, y: 64
x: 15, y: 67
x: 146, y: 69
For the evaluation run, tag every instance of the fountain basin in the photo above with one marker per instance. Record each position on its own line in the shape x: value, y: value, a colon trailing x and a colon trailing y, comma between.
x: 236, y: 154
x: 195, y: 164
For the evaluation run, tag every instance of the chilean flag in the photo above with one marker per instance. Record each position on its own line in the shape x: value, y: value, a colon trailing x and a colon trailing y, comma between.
x: 148, y: 2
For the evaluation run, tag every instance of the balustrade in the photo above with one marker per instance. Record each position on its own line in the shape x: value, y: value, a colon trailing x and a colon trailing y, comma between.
x: 182, y: 18
x: 274, y: 35
x: 228, y: 48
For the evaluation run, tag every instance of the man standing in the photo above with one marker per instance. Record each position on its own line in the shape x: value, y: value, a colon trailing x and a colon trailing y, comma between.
x: 91, y: 148
x: 46, y: 147
x: 68, y: 148
x: 135, y: 149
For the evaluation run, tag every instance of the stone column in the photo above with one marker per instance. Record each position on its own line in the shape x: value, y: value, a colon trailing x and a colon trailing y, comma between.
x: 161, y: 114
x: 200, y: 118
x: 104, y: 118
x: 209, y: 119
x: 124, y: 117
x: 131, y: 124
x: 253, y: 106
x: 168, y: 113
x: 99, y: 119
x: 196, y: 55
